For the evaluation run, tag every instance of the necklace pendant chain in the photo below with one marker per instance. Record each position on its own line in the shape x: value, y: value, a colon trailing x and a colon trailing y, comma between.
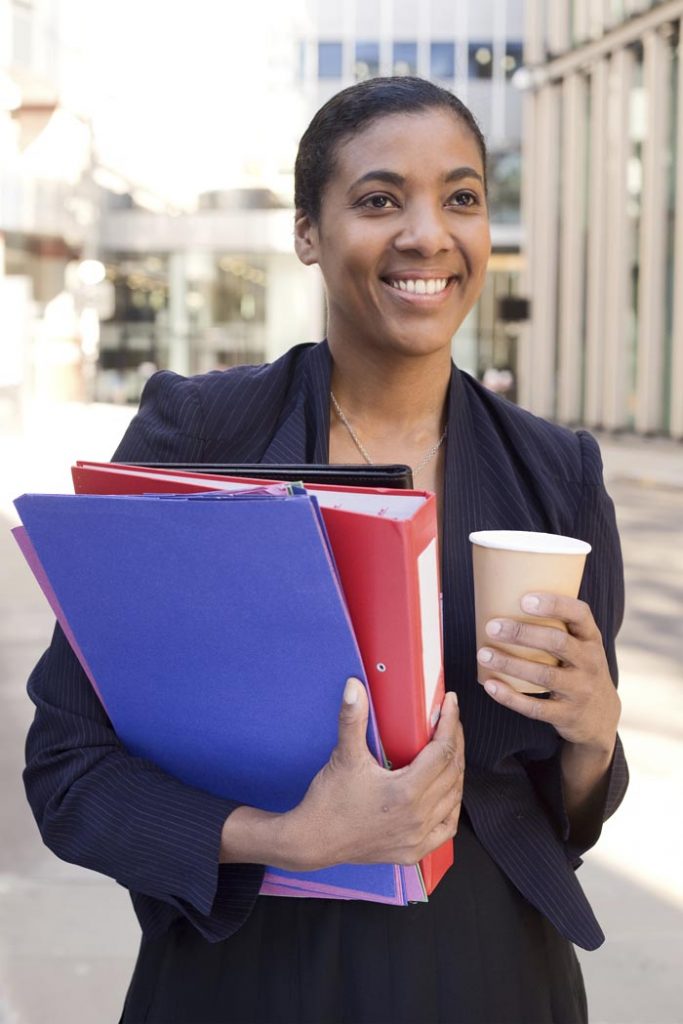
x: 427, y: 457
x: 354, y: 436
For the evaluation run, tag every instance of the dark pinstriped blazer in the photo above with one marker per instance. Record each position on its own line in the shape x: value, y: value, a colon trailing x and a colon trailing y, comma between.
x: 100, y: 807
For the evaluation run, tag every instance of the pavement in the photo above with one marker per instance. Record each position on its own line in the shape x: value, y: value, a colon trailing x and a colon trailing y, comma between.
x: 68, y: 937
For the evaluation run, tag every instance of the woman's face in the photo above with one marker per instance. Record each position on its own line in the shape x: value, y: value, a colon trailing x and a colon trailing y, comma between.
x: 403, y: 236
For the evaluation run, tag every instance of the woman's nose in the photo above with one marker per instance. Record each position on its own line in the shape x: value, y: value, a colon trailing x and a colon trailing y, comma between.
x: 426, y: 231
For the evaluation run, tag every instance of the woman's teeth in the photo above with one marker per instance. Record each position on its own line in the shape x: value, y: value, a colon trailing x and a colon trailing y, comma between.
x: 431, y: 286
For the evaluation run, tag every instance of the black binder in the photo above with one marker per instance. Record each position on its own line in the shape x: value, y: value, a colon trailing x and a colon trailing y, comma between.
x: 393, y: 476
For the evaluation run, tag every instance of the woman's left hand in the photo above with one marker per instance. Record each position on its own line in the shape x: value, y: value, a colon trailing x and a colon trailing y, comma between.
x: 583, y: 705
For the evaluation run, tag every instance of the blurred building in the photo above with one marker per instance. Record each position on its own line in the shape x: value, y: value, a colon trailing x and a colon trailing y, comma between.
x: 221, y: 284
x: 204, y: 289
x: 180, y: 187
x: 48, y: 203
x: 603, y: 214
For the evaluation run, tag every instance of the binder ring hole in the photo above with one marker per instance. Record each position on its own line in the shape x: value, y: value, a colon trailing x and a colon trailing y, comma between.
x: 381, y: 667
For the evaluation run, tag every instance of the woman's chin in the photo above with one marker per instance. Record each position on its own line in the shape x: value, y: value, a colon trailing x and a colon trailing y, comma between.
x: 419, y: 347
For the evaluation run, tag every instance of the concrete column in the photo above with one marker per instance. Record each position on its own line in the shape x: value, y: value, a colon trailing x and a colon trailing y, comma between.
x: 615, y: 343
x: 571, y: 298
x: 596, y: 18
x: 606, y: 12
x: 580, y: 20
x: 676, y: 427
x: 178, y: 320
x: 597, y: 245
x: 524, y: 368
x: 423, y: 37
x: 348, y: 39
x: 559, y: 37
x: 652, y: 248
x: 461, y: 35
x: 545, y: 243
x: 385, y: 36
x: 534, y: 42
x: 498, y: 84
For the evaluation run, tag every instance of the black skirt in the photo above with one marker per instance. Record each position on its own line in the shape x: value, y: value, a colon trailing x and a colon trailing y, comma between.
x: 477, y: 953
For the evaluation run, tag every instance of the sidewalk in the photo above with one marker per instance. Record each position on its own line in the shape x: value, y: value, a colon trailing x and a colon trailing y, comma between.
x: 68, y: 937
x: 653, y: 462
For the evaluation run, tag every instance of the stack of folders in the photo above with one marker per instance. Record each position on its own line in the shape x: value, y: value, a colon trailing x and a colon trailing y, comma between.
x: 218, y: 620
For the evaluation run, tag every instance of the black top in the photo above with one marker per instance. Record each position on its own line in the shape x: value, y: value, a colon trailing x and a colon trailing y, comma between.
x: 477, y: 953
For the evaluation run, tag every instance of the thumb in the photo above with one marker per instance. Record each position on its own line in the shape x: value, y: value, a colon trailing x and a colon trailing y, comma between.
x: 447, y: 725
x: 353, y: 721
x: 448, y: 719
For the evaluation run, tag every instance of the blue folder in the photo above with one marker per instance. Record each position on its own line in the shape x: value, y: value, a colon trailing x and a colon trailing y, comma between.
x: 219, y: 640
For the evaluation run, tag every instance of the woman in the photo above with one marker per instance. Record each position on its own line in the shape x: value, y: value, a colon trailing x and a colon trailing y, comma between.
x: 391, y: 204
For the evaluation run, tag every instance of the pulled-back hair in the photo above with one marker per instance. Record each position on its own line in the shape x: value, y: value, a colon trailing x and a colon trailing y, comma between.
x: 355, y: 108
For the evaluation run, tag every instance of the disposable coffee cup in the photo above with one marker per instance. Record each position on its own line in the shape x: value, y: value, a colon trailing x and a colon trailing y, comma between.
x: 510, y: 563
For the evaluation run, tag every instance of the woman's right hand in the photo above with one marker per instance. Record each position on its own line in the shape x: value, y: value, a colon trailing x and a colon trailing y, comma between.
x: 356, y: 811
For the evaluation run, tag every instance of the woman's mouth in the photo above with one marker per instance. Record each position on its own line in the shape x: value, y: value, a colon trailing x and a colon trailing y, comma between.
x: 419, y: 286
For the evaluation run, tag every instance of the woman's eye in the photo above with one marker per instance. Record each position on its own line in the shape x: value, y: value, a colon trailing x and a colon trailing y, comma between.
x: 377, y: 202
x: 463, y: 199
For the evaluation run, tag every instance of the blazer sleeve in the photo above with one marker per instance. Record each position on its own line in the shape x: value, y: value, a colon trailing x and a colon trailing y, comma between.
x: 603, y: 590
x: 98, y: 806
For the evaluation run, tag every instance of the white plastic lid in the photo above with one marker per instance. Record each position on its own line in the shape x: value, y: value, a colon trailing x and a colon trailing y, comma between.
x: 521, y: 540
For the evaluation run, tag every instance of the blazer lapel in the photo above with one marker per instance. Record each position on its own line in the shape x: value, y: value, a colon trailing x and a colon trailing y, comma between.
x: 462, y: 514
x: 304, y: 429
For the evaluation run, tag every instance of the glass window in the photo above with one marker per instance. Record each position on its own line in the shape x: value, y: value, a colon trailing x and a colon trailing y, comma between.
x: 329, y: 60
x: 512, y: 59
x: 367, y: 60
x: 480, y: 60
x: 442, y: 60
x: 505, y: 182
x: 405, y: 59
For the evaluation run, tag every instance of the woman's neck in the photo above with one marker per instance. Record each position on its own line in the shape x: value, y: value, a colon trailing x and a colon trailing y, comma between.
x: 382, y: 393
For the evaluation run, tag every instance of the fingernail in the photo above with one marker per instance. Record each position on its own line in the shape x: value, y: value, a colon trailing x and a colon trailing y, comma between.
x: 530, y: 603
x: 491, y: 687
x: 494, y: 627
x: 485, y: 655
x: 351, y: 691
x: 455, y: 698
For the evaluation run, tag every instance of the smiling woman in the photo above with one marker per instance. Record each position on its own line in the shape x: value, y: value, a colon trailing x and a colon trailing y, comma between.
x: 402, y: 246
x: 394, y: 212
x: 392, y: 206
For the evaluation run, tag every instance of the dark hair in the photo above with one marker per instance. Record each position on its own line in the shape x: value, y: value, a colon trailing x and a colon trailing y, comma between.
x: 355, y: 108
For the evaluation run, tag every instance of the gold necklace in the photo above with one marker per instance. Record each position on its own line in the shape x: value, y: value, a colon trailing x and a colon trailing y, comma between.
x: 427, y: 457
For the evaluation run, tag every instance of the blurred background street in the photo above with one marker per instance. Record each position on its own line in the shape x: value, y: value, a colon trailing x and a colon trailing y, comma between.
x: 146, y: 205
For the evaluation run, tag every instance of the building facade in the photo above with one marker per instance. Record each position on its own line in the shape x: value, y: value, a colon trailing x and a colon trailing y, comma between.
x: 48, y: 210
x: 233, y: 290
x: 603, y: 214
x: 212, y: 281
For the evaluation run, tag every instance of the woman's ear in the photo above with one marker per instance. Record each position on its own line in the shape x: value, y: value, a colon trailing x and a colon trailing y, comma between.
x: 306, y: 238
